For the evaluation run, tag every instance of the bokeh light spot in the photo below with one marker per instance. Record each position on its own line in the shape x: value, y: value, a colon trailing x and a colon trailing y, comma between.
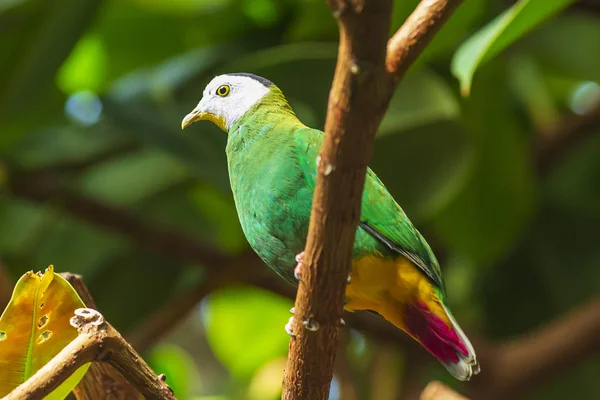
x: 84, y: 108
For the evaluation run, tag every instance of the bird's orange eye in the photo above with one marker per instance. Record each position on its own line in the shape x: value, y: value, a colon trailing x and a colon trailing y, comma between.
x: 223, y: 90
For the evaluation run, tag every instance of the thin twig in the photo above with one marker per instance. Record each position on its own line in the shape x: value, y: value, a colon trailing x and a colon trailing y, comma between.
x: 416, y: 33
x: 97, y: 341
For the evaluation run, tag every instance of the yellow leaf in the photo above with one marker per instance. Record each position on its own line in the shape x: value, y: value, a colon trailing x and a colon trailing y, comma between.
x: 35, y: 327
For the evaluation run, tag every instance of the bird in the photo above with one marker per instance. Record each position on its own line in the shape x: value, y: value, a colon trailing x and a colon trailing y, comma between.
x: 272, y: 162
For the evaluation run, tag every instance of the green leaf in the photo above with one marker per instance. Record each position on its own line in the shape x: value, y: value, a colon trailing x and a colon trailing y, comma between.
x: 244, y: 327
x: 35, y: 327
x: 505, y: 29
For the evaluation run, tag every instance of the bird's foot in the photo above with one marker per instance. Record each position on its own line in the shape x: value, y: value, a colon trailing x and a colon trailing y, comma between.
x: 289, y: 325
x: 309, y: 323
x: 298, y: 269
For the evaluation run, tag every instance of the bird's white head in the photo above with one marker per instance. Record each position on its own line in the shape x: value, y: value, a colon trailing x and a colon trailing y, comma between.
x: 226, y: 98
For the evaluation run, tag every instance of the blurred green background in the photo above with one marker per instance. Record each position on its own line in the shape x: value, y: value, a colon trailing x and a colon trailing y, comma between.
x: 98, y: 179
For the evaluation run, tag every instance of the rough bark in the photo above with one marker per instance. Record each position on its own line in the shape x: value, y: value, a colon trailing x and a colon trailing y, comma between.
x: 362, y: 87
x: 101, y: 379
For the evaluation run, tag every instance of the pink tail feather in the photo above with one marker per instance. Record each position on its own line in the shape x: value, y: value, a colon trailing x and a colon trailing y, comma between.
x: 446, y: 342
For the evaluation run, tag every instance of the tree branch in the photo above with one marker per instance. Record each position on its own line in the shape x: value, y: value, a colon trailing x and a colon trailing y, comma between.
x: 97, y: 341
x: 101, y: 379
x: 356, y: 105
x: 362, y: 88
x: 416, y: 33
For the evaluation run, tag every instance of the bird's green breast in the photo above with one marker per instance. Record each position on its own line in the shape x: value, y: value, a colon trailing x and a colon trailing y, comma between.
x: 268, y: 184
x: 268, y: 167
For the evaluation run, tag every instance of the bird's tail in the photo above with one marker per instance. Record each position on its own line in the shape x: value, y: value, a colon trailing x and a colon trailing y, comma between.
x: 435, y: 328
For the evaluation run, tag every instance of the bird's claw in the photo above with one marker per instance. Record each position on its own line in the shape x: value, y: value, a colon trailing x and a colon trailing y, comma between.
x: 288, y: 327
x: 311, y: 324
x: 298, y: 269
x: 300, y: 264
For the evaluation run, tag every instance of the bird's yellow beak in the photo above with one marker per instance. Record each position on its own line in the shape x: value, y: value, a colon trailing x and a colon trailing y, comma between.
x: 194, y: 116
x: 197, y: 115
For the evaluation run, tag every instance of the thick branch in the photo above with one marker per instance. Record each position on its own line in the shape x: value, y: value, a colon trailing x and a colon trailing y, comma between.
x: 361, y: 91
x: 97, y: 341
x: 100, y: 379
x: 356, y: 105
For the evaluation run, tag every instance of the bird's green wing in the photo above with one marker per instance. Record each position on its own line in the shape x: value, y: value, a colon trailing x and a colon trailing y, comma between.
x: 381, y: 216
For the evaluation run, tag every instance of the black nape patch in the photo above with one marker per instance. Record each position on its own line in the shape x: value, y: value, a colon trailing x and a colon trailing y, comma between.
x: 265, y: 82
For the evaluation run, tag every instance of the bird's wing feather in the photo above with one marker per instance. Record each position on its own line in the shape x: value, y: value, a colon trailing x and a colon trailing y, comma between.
x: 381, y: 216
